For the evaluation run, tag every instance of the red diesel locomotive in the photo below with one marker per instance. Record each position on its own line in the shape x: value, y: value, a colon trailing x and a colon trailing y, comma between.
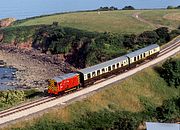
x: 64, y: 83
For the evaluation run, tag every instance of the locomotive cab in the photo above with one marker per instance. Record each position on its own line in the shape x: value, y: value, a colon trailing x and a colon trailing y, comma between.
x: 52, y: 86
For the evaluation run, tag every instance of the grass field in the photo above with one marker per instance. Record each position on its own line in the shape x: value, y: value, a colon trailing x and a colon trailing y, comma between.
x: 111, y: 21
x: 164, y: 17
x: 124, y: 95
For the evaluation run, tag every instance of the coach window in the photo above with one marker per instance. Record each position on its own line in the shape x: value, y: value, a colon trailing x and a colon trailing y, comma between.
x: 121, y: 64
x: 103, y: 70
x: 89, y: 76
x: 117, y: 65
x: 141, y: 56
x: 113, y: 67
x: 134, y: 58
x: 144, y: 54
x: 138, y: 57
x: 93, y: 74
x: 109, y: 68
x: 98, y: 72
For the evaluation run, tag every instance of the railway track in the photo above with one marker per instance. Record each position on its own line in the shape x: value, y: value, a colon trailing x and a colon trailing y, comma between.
x: 26, y: 106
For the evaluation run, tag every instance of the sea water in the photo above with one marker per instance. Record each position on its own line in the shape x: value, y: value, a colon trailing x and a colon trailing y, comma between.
x: 7, y: 75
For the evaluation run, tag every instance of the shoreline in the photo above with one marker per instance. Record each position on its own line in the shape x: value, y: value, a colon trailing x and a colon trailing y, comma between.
x: 33, y: 67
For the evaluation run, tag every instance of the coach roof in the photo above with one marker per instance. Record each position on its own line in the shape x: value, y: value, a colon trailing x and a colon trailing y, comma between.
x: 103, y: 65
x: 143, y: 50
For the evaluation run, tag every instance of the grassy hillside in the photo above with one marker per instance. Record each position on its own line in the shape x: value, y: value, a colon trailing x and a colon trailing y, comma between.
x: 126, y: 95
x: 164, y: 17
x: 111, y: 21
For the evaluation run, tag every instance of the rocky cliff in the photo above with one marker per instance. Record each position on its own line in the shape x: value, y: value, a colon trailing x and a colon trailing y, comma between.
x: 1, y: 36
x: 6, y: 22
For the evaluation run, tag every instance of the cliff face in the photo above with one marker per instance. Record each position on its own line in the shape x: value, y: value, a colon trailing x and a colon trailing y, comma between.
x: 1, y: 36
x: 6, y: 22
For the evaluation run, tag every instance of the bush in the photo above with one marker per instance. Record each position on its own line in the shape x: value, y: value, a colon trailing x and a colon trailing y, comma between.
x: 147, y: 38
x: 171, y: 72
x: 31, y: 93
x: 163, y: 34
x: 174, y: 33
x: 17, y: 34
x: 96, y: 120
x: 149, y: 107
x: 11, y: 97
x: 169, y: 110
x: 127, y: 121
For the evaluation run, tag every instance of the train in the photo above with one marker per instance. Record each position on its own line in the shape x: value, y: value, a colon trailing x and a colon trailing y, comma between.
x: 88, y: 76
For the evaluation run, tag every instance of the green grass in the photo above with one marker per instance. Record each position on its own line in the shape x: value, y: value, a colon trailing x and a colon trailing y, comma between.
x: 110, y: 21
x: 163, y: 17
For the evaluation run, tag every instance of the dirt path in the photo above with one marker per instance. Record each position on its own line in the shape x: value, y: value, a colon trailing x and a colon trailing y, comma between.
x: 174, y: 16
x: 137, y: 16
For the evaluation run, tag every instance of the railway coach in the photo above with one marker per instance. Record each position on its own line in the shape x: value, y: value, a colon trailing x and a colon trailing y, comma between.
x: 140, y: 55
x: 89, y: 75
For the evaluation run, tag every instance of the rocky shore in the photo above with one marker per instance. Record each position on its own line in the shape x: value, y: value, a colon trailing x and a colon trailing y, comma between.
x: 33, y: 67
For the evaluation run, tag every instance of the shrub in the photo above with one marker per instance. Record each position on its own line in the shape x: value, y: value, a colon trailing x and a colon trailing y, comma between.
x: 169, y: 110
x: 171, y: 72
x: 11, y: 97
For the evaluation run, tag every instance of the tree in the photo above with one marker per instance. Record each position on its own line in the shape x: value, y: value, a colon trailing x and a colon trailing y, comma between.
x: 104, y: 8
x: 169, y: 110
x: 129, y: 41
x: 178, y: 7
x: 174, y: 33
x: 170, y: 7
x: 126, y: 121
x: 128, y: 8
x: 171, y: 72
x: 147, y: 38
x: 113, y: 8
x: 163, y: 34
x: 107, y: 8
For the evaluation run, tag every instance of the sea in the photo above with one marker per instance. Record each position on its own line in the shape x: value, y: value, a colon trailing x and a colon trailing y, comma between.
x: 7, y: 75
x: 21, y: 9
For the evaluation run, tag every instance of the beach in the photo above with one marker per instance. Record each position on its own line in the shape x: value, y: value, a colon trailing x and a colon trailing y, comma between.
x: 33, y: 67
